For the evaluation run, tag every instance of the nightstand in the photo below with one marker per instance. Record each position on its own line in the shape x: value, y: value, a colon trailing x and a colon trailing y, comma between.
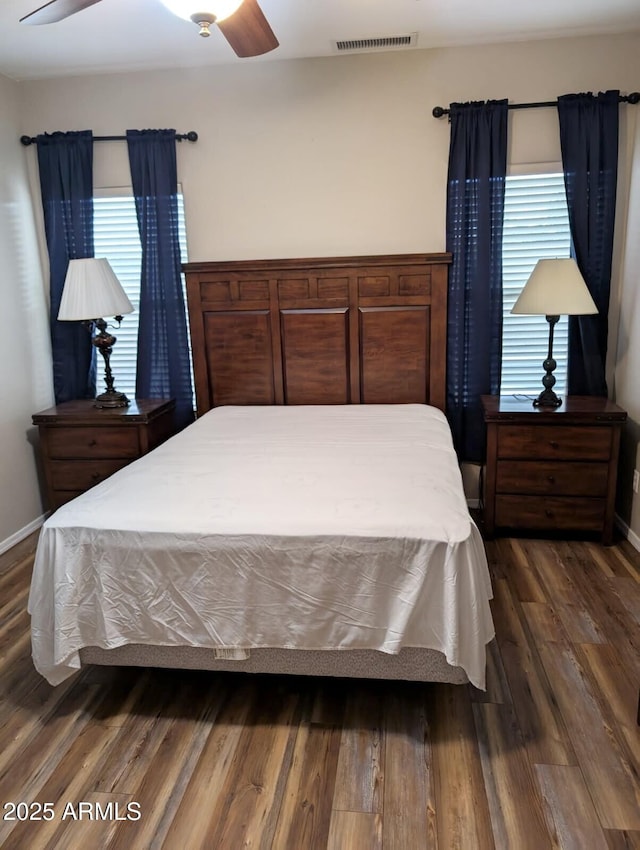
x: 82, y: 445
x: 551, y: 469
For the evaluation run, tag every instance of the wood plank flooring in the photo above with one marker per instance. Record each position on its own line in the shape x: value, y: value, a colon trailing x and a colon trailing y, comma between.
x: 547, y: 757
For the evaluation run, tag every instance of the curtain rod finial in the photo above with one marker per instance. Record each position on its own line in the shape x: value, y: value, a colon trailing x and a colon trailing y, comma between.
x: 191, y: 136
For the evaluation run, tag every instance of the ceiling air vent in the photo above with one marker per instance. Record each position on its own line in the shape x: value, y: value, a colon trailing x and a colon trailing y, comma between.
x: 387, y: 42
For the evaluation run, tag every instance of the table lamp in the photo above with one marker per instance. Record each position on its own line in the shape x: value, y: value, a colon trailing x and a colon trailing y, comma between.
x: 554, y: 288
x: 91, y: 291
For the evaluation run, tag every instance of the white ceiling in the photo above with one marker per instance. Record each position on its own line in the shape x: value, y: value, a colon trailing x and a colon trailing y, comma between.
x: 142, y: 34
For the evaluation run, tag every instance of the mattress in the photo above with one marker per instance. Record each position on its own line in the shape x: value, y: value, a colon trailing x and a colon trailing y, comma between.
x: 310, y: 528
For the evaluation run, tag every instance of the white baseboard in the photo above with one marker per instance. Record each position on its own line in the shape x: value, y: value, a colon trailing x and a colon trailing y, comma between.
x: 631, y: 536
x: 20, y: 535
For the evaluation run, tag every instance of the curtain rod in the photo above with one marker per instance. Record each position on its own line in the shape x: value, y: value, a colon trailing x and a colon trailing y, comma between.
x: 634, y: 97
x: 191, y: 136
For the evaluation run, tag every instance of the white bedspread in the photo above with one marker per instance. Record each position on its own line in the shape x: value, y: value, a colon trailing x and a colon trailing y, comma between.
x: 333, y: 527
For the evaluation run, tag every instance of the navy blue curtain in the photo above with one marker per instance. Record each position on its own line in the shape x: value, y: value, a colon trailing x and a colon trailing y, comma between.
x: 163, y: 369
x: 589, y: 142
x: 65, y: 162
x: 475, y: 207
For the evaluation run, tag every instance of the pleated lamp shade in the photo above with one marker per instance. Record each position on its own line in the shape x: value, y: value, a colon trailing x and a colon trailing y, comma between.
x: 92, y: 291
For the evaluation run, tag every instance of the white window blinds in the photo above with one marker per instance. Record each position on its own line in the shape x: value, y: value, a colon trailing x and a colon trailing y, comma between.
x: 116, y: 238
x: 536, y: 227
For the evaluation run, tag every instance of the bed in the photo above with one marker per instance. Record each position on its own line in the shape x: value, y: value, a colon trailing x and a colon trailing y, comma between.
x: 311, y: 521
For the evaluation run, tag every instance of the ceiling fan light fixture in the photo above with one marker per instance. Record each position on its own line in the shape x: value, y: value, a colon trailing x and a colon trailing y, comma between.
x: 241, y: 22
x: 203, y: 12
x: 204, y: 21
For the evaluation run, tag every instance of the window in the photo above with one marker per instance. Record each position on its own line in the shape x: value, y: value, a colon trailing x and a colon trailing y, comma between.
x: 536, y: 227
x: 116, y: 238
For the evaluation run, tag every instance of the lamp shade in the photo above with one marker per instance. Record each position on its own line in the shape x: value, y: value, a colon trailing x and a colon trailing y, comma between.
x: 218, y: 9
x: 555, y: 288
x: 92, y: 291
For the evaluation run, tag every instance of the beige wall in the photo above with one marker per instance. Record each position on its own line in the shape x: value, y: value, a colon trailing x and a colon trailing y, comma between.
x: 25, y: 354
x: 339, y: 155
x: 326, y: 156
x: 627, y: 372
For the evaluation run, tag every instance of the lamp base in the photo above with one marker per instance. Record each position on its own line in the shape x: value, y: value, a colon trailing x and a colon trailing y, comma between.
x: 104, y: 342
x: 547, y: 398
x: 111, y: 398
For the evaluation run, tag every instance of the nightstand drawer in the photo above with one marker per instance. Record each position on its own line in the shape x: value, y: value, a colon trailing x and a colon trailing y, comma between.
x: 552, y: 514
x: 550, y: 441
x: 539, y: 477
x: 61, y: 497
x: 93, y: 442
x: 551, y: 469
x: 80, y: 475
x: 83, y: 444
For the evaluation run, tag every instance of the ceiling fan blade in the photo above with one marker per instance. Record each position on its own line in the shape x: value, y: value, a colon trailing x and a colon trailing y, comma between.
x: 248, y: 31
x: 56, y: 10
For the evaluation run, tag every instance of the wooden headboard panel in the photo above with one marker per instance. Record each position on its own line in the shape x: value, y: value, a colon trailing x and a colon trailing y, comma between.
x: 319, y: 331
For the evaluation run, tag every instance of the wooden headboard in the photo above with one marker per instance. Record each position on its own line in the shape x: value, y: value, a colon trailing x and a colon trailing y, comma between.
x: 337, y: 330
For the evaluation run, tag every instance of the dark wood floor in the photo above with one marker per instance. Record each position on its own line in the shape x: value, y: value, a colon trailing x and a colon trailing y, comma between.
x: 548, y: 757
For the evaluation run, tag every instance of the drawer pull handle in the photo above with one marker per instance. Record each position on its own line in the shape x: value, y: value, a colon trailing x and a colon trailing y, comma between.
x: 92, y: 443
x: 548, y: 513
x: 95, y: 476
x: 551, y: 479
x: 553, y: 444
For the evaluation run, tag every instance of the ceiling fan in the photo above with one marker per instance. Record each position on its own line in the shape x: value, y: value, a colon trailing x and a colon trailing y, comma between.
x: 242, y: 22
